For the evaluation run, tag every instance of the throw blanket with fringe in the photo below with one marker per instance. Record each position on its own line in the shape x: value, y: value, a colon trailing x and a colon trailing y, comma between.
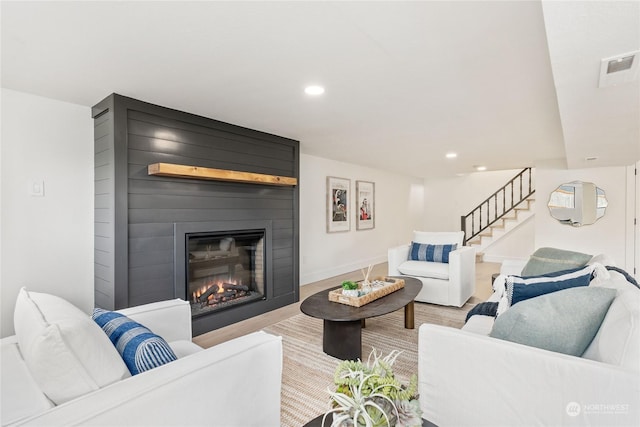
x: 483, y: 309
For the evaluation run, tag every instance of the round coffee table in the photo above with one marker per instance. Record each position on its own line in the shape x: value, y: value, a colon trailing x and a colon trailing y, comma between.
x: 342, y: 329
x: 317, y: 422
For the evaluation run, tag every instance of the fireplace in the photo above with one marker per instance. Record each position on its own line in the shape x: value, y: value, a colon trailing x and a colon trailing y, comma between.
x: 141, y: 220
x: 224, y: 269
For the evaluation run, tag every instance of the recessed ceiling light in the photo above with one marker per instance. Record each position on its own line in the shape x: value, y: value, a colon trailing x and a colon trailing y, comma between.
x: 451, y: 155
x: 314, y: 90
x: 481, y: 168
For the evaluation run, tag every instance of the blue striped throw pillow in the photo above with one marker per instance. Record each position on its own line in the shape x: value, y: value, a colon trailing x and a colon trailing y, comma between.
x: 140, y: 348
x: 432, y: 253
x: 522, y: 288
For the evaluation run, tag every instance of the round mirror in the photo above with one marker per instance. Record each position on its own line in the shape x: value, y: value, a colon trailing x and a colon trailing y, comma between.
x: 578, y: 203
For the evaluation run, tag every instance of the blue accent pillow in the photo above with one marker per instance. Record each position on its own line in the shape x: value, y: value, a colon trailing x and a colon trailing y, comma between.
x: 522, y: 288
x: 140, y: 348
x: 431, y: 253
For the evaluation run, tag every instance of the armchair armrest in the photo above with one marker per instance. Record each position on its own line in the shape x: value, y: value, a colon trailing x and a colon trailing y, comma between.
x: 462, y: 274
x: 170, y: 319
x: 395, y: 257
x: 523, y: 385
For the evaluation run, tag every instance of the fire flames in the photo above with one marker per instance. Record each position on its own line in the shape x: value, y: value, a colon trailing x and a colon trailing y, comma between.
x: 204, y: 288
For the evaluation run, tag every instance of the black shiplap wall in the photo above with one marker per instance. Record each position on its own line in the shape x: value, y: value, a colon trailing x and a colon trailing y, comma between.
x: 144, y: 208
x: 103, y: 209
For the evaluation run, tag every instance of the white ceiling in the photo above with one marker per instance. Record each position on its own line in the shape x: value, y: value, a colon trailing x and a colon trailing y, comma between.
x: 505, y: 84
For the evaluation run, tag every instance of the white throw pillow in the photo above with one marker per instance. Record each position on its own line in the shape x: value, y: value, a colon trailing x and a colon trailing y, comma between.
x: 65, y: 351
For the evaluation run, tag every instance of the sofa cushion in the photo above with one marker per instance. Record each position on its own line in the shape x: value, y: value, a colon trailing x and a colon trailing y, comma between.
x: 67, y: 353
x: 431, y: 253
x: 140, y: 348
x: 521, y: 288
x: 21, y: 395
x: 549, y: 260
x: 618, y: 339
x: 565, y: 321
x: 434, y: 270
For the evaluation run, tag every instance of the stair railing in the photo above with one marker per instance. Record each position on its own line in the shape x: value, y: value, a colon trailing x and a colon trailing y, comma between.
x: 497, y: 205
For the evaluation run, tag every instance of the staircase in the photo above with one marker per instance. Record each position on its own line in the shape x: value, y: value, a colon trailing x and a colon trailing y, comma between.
x: 498, y: 215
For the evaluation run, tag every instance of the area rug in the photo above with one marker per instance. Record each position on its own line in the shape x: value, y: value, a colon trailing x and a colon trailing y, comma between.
x: 308, y: 371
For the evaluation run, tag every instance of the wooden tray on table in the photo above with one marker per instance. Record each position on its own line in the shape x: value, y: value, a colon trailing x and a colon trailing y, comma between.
x: 380, y: 287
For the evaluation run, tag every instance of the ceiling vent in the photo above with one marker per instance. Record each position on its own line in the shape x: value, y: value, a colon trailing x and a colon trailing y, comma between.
x: 619, y: 69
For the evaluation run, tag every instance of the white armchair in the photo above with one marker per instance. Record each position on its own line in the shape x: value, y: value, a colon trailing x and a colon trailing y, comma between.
x: 450, y: 283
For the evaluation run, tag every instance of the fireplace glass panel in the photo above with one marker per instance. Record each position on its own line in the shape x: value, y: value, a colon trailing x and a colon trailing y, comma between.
x: 224, y: 269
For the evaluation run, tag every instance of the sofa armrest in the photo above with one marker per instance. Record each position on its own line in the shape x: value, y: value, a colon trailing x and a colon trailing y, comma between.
x: 170, y: 319
x: 512, y: 267
x: 522, y: 385
x: 395, y: 257
x: 213, y: 386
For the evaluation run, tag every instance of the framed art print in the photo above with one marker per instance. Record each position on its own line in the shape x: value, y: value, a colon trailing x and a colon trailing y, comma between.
x: 338, y: 213
x: 365, y: 211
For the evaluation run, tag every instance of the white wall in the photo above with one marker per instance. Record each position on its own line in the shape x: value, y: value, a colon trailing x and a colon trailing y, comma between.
x: 634, y: 180
x: 518, y: 244
x: 47, y: 242
x: 608, y: 235
x: 447, y: 199
x: 398, y: 211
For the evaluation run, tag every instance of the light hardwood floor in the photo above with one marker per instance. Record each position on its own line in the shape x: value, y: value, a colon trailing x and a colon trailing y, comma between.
x: 484, y: 270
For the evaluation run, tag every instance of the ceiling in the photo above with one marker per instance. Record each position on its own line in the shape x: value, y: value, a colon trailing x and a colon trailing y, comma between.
x: 504, y: 84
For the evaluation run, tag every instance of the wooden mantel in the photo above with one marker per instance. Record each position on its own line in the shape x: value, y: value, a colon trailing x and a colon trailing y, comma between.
x: 196, y: 172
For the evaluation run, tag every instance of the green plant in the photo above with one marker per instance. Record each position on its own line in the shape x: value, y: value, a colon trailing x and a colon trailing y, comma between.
x: 369, y: 395
x: 349, y: 285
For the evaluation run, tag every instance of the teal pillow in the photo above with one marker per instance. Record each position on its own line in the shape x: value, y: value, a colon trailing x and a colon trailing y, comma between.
x: 564, y: 321
x: 550, y: 260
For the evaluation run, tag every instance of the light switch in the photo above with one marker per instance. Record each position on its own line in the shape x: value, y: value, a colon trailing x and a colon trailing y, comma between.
x: 36, y: 188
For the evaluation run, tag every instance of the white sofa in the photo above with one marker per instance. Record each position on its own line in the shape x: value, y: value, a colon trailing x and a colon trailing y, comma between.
x: 443, y: 284
x: 236, y: 383
x: 467, y: 378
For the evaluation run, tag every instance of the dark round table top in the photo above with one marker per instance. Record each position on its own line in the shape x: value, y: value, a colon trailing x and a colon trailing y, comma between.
x: 317, y: 422
x: 319, y: 306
